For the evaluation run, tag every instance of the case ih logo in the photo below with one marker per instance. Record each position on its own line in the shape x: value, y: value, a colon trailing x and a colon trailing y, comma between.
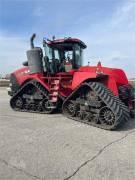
x: 23, y: 73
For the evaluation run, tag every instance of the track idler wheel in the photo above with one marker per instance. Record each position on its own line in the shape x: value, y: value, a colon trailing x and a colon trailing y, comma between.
x: 47, y: 106
x: 106, y: 116
x: 70, y: 109
x: 18, y: 104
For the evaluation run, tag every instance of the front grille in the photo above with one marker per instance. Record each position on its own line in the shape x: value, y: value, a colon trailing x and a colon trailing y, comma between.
x: 13, y: 83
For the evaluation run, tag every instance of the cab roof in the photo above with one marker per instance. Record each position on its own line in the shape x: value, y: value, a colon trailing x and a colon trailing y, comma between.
x: 66, y: 40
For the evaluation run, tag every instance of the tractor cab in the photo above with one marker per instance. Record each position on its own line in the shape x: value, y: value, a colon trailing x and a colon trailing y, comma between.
x: 63, y: 55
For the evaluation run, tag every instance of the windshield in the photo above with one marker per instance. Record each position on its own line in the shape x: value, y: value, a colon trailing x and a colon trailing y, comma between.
x: 65, y: 53
x: 48, y: 52
x: 78, y: 56
x: 68, y: 55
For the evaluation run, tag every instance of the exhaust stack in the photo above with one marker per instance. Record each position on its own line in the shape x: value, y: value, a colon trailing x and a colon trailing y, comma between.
x: 31, y: 41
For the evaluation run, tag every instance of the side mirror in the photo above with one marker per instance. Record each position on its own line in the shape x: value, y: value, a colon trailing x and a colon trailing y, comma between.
x: 25, y: 63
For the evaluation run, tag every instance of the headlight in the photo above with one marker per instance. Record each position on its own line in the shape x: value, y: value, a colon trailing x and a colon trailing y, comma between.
x: 10, y: 84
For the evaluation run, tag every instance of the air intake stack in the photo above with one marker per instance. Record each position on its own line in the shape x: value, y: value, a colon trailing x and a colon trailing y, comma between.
x: 34, y: 56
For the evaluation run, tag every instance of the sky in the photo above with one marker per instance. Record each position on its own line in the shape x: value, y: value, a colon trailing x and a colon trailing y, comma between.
x: 106, y: 26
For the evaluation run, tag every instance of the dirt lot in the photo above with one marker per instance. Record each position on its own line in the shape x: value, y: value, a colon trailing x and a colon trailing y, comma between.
x: 52, y: 147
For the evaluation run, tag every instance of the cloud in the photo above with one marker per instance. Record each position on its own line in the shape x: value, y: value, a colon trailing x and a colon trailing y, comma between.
x: 124, y: 14
x: 39, y: 11
x: 113, y: 41
x: 12, y: 52
x: 110, y: 38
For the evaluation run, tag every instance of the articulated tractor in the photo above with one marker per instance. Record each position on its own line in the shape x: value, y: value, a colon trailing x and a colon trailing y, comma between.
x: 56, y: 80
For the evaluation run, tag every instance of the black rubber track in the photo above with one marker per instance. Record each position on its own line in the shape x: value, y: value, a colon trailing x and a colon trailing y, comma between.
x: 119, y: 109
x: 20, y: 92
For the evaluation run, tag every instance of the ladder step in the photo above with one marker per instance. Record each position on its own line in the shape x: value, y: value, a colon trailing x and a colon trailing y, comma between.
x: 53, y: 99
x: 54, y: 88
x: 54, y: 84
x: 54, y: 94
x: 55, y: 81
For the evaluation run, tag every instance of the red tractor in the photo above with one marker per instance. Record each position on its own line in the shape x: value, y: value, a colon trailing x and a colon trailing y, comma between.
x: 96, y: 95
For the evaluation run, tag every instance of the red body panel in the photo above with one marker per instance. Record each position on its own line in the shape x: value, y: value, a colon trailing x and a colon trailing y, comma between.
x: 80, y: 77
x: 112, y: 78
x: 23, y: 76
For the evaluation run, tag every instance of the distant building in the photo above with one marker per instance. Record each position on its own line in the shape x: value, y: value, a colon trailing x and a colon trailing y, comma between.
x: 7, y: 76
